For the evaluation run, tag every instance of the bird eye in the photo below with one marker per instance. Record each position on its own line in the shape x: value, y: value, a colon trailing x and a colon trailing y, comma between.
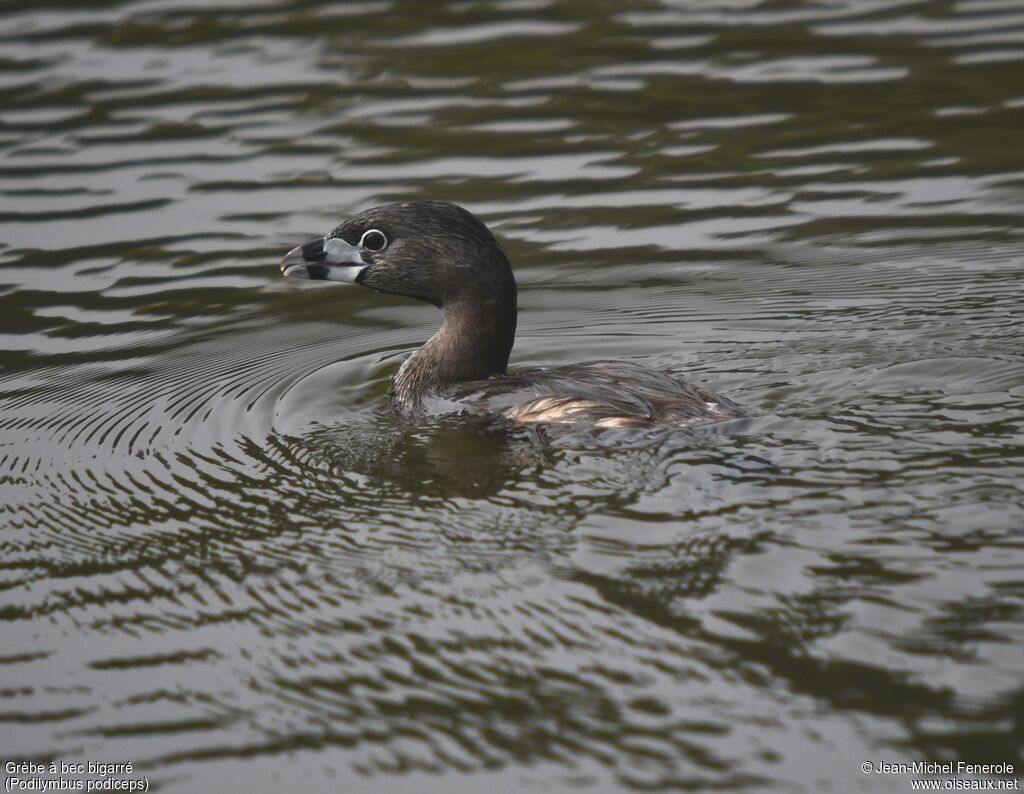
x: 373, y: 240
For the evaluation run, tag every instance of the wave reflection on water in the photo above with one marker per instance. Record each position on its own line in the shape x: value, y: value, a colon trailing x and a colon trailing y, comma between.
x: 225, y: 562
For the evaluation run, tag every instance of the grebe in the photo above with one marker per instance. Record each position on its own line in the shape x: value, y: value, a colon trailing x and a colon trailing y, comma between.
x: 440, y: 253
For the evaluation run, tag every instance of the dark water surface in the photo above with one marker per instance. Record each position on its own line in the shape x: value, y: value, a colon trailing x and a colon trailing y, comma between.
x: 223, y: 562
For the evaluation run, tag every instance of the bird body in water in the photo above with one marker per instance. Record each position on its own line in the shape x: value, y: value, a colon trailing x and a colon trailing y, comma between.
x: 442, y: 254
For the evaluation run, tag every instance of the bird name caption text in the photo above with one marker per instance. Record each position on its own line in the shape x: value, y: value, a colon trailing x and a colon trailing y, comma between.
x: 72, y: 776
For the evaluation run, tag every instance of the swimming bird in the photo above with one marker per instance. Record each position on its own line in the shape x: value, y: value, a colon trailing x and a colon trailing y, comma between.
x: 442, y: 254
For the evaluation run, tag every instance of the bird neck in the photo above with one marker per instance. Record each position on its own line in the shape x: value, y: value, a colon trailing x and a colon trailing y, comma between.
x: 473, y: 343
